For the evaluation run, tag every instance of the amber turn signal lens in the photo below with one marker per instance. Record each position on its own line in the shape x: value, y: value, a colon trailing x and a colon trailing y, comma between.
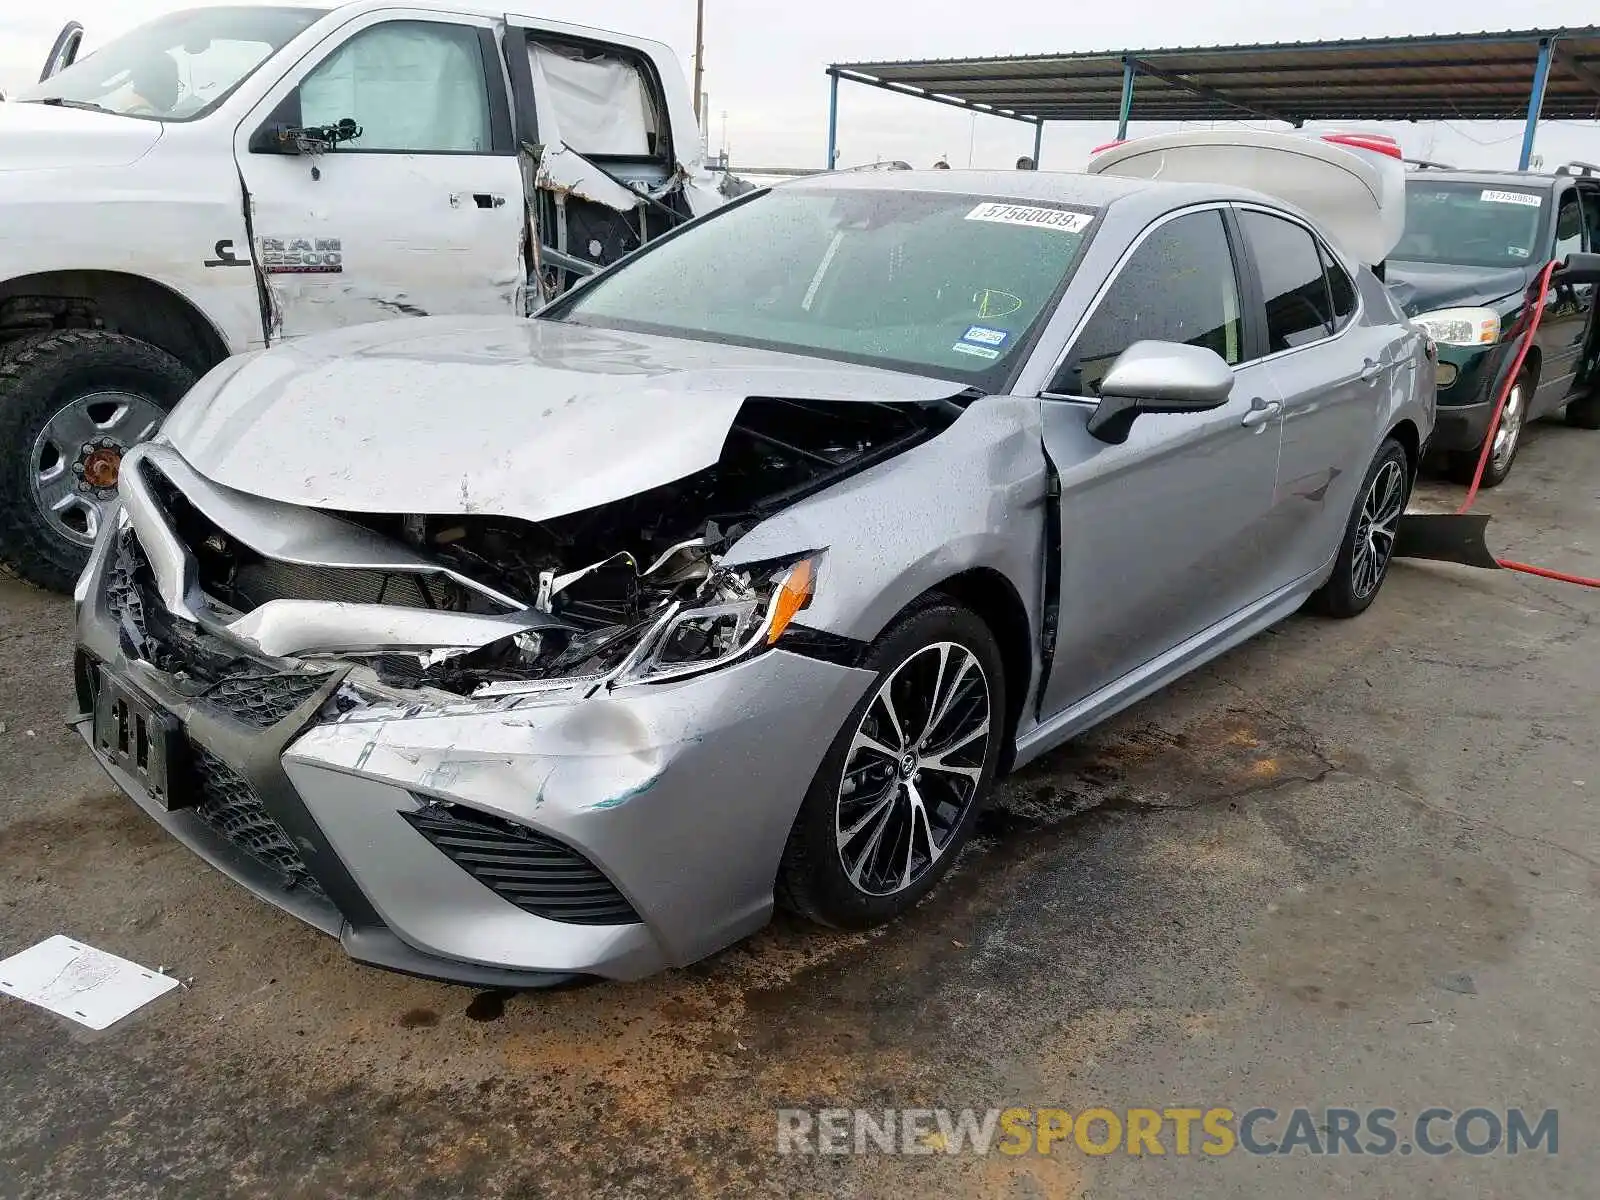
x: 793, y: 595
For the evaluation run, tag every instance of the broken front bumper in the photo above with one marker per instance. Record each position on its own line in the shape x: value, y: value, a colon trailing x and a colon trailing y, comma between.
x: 608, y: 836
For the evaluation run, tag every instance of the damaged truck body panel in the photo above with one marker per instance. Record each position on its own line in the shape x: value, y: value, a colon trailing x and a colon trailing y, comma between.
x: 359, y: 163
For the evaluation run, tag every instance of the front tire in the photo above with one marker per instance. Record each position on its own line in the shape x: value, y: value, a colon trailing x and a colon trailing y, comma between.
x: 71, y: 404
x: 1504, y: 440
x: 1368, y: 546
x: 897, y: 793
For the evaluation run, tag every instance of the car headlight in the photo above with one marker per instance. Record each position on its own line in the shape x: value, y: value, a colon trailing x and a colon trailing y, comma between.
x: 1461, y: 326
x: 741, y: 618
x: 736, y: 613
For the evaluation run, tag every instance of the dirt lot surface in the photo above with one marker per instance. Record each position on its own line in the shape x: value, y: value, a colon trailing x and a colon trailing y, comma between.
x: 1350, y: 864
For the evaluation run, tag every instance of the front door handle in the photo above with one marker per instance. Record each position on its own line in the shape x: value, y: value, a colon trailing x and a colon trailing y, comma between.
x: 1261, y: 411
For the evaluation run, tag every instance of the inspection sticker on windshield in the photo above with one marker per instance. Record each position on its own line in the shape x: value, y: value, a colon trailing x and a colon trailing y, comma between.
x: 1036, y: 218
x: 1490, y: 196
x: 981, y: 335
x: 975, y: 351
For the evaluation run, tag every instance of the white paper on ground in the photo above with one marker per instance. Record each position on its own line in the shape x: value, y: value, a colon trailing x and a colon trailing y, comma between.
x: 77, y: 981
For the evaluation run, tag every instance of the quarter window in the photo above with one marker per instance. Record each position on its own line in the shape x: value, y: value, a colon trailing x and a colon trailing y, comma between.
x: 413, y: 86
x: 1292, y: 283
x: 1178, y: 286
x: 1340, y: 286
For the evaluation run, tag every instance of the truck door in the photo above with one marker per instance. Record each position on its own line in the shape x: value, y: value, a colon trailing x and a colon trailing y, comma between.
x: 414, y: 207
x: 1566, y: 313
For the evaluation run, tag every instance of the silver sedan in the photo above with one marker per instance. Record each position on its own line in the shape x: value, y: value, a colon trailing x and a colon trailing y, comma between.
x: 512, y: 650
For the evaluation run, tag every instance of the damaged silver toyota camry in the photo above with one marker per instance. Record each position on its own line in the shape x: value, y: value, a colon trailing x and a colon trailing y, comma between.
x: 510, y: 651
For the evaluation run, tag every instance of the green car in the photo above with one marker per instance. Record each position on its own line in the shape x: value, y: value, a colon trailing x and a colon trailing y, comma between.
x: 1474, y: 243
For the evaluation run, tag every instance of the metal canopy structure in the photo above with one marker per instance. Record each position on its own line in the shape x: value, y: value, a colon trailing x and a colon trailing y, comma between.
x: 1469, y: 77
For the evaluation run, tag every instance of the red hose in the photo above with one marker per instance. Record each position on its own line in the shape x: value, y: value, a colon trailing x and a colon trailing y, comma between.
x: 1494, y: 424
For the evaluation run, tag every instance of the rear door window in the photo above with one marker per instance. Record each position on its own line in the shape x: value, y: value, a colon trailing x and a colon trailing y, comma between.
x: 1299, y: 308
x: 1178, y: 286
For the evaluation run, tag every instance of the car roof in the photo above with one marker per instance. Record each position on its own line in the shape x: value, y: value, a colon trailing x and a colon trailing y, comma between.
x: 1489, y: 178
x: 1061, y: 187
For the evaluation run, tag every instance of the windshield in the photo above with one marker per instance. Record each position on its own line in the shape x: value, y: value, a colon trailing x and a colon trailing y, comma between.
x: 177, y: 67
x: 926, y: 282
x: 1470, y: 225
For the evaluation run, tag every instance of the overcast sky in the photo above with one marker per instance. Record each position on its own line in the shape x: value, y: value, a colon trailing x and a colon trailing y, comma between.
x: 765, y: 62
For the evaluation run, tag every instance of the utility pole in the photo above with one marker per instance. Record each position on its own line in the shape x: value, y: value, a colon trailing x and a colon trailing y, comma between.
x: 699, y: 51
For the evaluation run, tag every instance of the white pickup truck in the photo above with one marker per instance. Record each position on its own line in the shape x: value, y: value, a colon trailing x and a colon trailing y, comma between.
x: 221, y: 179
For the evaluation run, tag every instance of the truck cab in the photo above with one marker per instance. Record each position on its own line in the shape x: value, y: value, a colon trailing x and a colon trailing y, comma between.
x: 221, y: 179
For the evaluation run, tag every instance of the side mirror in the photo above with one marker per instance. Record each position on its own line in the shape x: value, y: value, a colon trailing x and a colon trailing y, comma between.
x: 1577, y: 269
x: 1158, y: 377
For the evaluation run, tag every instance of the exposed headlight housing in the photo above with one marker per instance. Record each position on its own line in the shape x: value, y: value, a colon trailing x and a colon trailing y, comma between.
x: 1461, y: 326
x: 742, y: 618
x: 735, y: 614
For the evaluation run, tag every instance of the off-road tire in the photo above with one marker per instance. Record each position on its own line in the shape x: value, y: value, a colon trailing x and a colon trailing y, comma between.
x: 811, y: 879
x: 36, y: 380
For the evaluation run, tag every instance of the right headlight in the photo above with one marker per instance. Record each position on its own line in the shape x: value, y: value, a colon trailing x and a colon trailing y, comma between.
x: 1461, y: 326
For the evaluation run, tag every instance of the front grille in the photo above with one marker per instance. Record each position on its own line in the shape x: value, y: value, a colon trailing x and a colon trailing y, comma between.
x: 536, y: 873
x: 230, y: 806
x: 263, y: 698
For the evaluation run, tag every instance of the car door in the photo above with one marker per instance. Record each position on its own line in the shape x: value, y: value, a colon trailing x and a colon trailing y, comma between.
x: 1333, y: 374
x: 421, y: 213
x: 1565, y: 322
x: 1160, y: 537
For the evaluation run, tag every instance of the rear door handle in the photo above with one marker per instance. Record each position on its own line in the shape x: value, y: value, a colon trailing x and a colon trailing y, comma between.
x: 1261, y: 411
x: 1371, y: 372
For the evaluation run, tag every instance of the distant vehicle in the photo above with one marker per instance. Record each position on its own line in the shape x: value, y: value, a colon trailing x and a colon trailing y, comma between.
x: 227, y: 178
x: 1474, y: 242
x: 508, y: 651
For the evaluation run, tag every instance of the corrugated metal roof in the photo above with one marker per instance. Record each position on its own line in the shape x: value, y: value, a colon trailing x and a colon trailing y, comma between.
x: 1468, y: 76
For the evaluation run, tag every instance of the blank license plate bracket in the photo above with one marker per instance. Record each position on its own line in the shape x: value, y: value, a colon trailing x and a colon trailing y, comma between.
x: 138, y: 737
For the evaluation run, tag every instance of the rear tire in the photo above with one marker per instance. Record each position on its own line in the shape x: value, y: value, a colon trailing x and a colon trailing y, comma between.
x: 897, y: 793
x: 1368, y: 546
x: 71, y: 404
x: 1584, y: 413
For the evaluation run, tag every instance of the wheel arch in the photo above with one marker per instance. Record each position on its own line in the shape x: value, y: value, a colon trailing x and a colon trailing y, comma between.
x: 1407, y: 434
x: 994, y: 599
x: 119, y: 301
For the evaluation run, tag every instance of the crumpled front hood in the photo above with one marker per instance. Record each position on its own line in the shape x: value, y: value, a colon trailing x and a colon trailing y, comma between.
x: 490, y: 415
x: 40, y: 137
x: 1424, y: 287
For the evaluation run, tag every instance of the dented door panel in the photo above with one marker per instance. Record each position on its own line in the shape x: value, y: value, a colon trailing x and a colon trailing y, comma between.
x: 421, y: 214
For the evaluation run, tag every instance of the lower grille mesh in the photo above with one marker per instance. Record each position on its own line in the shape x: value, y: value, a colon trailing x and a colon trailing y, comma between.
x: 536, y: 873
x: 263, y: 698
x: 230, y: 806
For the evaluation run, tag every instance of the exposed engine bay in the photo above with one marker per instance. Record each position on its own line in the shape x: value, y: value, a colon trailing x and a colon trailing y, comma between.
x: 637, y: 582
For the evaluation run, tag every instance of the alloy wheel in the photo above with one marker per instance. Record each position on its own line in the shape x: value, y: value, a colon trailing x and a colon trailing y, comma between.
x: 1508, y: 432
x: 78, y: 455
x: 1375, y: 529
x: 913, y: 769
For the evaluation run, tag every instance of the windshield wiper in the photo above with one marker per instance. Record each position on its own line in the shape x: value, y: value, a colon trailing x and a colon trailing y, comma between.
x: 63, y: 102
